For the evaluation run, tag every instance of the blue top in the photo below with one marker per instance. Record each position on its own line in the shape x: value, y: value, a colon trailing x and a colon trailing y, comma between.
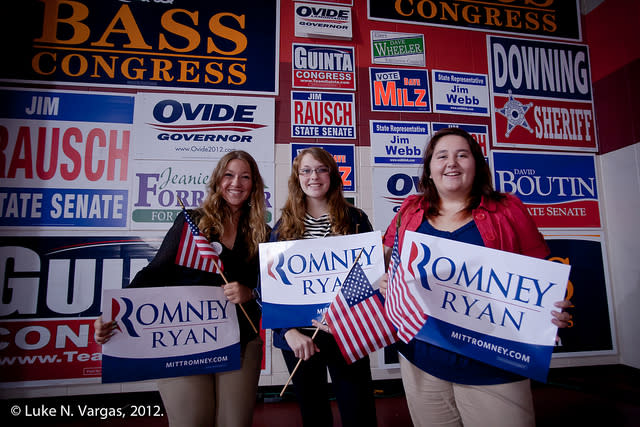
x: 445, y: 364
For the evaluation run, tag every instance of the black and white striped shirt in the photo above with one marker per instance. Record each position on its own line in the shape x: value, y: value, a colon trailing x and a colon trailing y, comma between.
x: 316, y: 227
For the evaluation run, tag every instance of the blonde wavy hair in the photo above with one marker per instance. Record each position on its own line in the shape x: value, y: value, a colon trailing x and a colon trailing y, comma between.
x: 295, y: 208
x: 214, y: 208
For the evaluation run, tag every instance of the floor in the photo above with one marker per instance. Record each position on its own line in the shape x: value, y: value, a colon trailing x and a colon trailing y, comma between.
x: 585, y: 396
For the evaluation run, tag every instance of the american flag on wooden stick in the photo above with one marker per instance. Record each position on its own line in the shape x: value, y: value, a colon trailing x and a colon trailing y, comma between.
x: 195, y: 251
x: 357, y: 318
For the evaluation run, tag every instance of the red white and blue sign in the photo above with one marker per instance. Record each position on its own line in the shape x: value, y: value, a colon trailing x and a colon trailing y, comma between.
x: 323, y: 67
x: 541, y: 94
x: 323, y: 115
x: 344, y: 156
x: 300, y: 278
x: 490, y: 305
x: 559, y: 190
x: 400, y: 89
x: 201, y: 127
x: 52, y: 297
x: 66, y: 158
x: 169, y: 331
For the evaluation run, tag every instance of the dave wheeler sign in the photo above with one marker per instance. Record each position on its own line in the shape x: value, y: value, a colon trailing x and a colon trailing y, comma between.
x: 491, y: 305
x: 559, y: 190
x: 300, y: 278
x: 169, y: 332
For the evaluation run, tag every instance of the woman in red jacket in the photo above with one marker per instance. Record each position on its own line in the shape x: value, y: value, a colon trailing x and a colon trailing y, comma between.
x: 458, y: 202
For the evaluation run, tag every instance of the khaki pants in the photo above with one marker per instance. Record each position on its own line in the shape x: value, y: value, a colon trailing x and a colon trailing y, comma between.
x: 224, y: 399
x: 435, y: 402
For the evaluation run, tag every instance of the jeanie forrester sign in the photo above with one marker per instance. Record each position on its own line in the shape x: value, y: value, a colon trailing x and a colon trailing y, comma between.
x: 300, y: 278
x: 491, y: 305
x: 169, y: 332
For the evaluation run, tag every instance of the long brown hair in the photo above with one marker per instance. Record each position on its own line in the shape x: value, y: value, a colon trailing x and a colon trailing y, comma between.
x: 295, y: 208
x: 482, y: 184
x: 214, y: 208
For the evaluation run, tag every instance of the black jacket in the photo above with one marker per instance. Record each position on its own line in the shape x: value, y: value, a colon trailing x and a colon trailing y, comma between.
x: 237, y: 266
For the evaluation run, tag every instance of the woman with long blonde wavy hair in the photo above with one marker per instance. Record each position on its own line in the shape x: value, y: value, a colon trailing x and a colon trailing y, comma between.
x: 232, y: 217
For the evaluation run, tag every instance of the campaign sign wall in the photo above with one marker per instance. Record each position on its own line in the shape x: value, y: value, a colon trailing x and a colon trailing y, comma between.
x: 399, y: 89
x: 591, y: 330
x: 158, y: 187
x: 344, y: 155
x: 51, y: 298
x: 194, y: 45
x: 170, y: 331
x: 392, y: 186
x: 64, y: 158
x: 397, y: 143
x: 300, y: 278
x: 490, y: 305
x: 559, y: 190
x: 541, y: 94
x: 460, y: 93
x: 181, y: 126
x: 323, y: 115
x: 323, y: 21
x: 479, y: 132
x: 397, y: 48
x: 323, y: 67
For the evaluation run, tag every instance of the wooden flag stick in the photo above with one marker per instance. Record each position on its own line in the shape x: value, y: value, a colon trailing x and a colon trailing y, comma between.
x: 315, y: 333
x: 227, y: 282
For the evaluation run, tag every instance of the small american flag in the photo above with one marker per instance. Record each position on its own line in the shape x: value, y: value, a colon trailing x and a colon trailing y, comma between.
x: 402, y: 306
x: 195, y: 251
x: 357, y: 319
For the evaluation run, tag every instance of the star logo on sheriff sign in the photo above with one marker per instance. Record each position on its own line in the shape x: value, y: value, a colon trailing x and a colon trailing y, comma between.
x: 515, y: 112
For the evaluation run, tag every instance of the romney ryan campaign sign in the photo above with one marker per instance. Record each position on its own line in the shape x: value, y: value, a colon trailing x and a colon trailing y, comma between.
x: 490, y: 305
x: 169, y: 332
x: 300, y: 278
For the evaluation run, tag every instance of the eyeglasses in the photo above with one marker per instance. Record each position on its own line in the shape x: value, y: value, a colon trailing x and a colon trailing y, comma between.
x: 322, y: 170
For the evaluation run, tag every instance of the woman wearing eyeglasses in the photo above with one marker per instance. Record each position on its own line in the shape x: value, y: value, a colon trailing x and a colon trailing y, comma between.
x: 316, y: 208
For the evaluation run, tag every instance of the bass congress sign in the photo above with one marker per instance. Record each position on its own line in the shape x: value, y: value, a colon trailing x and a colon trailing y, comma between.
x: 185, y: 44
